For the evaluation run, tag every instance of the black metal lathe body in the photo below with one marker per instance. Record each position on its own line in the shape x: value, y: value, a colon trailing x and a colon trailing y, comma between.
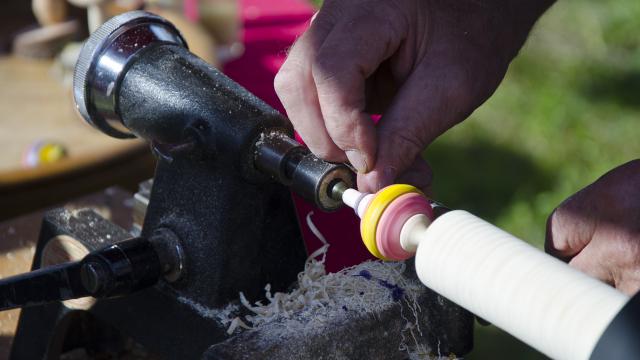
x: 219, y: 220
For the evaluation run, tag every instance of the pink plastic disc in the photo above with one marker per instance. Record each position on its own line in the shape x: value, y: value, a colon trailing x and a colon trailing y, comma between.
x: 392, y: 221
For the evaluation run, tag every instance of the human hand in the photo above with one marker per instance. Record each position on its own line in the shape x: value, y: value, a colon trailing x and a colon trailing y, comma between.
x: 425, y: 65
x: 597, y: 230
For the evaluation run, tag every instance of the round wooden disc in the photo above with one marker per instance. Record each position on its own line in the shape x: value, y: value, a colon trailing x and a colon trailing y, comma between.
x: 61, y: 249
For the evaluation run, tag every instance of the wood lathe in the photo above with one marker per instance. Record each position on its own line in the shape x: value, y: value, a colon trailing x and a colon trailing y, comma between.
x: 218, y: 221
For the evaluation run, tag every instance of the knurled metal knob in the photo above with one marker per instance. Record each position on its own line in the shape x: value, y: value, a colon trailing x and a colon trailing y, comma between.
x: 104, y: 59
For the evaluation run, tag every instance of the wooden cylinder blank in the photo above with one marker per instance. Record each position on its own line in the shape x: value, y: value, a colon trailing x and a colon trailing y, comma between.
x: 62, y: 249
x: 537, y: 298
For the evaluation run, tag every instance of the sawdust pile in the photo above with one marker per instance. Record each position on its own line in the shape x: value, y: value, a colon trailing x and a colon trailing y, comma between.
x: 369, y: 287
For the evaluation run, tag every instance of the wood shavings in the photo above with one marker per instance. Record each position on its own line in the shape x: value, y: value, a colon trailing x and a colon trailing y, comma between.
x: 215, y: 314
x: 321, y: 296
x: 322, y: 302
x: 235, y: 323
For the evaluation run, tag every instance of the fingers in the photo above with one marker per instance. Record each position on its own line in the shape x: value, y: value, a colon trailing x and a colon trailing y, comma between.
x: 630, y: 285
x: 419, y: 174
x: 428, y: 103
x: 590, y: 262
x: 612, y: 257
x: 572, y: 237
x: 597, y: 229
x: 569, y: 229
x: 611, y: 201
x: 297, y: 91
x: 350, y: 54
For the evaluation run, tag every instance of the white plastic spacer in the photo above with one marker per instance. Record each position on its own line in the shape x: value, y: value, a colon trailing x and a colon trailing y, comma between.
x: 357, y: 201
x: 416, y: 223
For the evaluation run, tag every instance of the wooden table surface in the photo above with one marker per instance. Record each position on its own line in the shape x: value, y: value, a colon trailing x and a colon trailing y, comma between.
x: 18, y: 238
x: 35, y: 106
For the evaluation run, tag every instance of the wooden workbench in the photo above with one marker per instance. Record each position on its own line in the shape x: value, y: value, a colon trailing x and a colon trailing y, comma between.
x: 18, y: 239
x: 35, y: 106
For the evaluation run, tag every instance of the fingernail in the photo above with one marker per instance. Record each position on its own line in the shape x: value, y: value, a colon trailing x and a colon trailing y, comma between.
x: 357, y: 159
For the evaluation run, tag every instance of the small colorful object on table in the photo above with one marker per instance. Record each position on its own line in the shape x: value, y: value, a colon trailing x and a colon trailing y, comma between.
x: 43, y: 152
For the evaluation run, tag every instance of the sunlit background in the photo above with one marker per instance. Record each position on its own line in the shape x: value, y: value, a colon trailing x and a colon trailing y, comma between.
x: 567, y: 112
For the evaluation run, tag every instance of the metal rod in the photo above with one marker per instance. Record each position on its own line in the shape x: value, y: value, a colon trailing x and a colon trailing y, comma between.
x: 54, y: 283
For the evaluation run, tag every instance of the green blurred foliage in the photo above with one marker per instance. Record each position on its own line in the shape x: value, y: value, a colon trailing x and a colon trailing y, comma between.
x: 567, y: 112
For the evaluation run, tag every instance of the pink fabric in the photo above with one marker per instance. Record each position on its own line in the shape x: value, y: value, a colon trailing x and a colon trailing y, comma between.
x: 190, y: 8
x: 269, y: 29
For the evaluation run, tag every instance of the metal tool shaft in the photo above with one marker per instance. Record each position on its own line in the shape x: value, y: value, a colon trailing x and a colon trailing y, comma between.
x: 58, y: 282
x: 293, y: 165
x: 115, y: 270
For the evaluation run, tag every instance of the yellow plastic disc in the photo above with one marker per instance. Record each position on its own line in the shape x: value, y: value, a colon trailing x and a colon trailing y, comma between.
x: 374, y: 211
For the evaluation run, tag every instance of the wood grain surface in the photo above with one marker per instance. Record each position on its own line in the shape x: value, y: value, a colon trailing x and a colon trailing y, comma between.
x: 34, y: 106
x: 18, y: 238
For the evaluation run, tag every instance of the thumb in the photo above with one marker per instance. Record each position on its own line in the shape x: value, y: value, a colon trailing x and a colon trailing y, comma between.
x: 422, y: 110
